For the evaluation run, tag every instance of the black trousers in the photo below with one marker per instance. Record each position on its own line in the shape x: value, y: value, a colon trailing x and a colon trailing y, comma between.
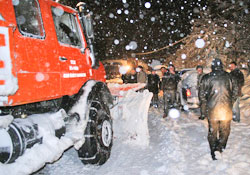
x: 218, y: 133
x: 169, y: 100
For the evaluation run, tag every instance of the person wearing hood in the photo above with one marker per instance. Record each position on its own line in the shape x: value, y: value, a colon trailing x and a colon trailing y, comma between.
x: 218, y: 92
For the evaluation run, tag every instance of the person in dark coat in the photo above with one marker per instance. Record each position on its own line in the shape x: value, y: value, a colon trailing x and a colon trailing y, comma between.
x: 200, y: 74
x: 237, y: 74
x: 218, y: 92
x: 153, y: 84
x: 169, y: 86
x: 130, y: 77
x: 239, y: 77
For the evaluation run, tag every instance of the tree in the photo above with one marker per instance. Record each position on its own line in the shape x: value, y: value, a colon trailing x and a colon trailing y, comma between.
x: 224, y: 29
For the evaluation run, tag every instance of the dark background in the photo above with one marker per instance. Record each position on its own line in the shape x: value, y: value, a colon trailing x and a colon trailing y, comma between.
x: 165, y: 22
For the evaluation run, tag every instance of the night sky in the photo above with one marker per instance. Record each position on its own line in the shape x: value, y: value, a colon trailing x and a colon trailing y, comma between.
x: 124, y: 27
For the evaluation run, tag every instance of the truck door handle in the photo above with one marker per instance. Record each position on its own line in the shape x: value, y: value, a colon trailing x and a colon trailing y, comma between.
x: 63, y: 58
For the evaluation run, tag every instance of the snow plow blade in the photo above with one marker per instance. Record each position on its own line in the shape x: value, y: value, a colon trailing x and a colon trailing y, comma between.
x: 130, y: 112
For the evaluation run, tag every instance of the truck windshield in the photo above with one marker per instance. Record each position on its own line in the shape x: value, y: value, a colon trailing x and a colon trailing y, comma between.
x: 67, y: 28
x: 28, y: 17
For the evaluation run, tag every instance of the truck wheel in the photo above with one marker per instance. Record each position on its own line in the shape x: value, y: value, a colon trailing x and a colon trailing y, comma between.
x: 98, y: 134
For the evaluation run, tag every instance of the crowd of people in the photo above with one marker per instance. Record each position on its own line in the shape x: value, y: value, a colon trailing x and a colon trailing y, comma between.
x: 219, y: 95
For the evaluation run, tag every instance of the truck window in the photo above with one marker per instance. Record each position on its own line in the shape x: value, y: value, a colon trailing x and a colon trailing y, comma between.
x: 28, y: 18
x: 67, y: 28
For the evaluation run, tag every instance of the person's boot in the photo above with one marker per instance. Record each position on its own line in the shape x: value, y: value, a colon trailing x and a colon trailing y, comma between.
x: 164, y: 115
x: 213, y: 155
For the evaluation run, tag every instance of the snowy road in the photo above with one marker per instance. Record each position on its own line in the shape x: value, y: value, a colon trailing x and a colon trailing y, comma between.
x: 177, y: 147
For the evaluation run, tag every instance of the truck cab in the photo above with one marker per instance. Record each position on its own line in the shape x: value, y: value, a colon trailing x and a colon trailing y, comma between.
x: 46, y: 55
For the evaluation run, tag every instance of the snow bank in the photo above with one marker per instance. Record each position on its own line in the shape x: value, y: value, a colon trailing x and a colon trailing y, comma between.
x: 52, y: 147
x: 131, y: 117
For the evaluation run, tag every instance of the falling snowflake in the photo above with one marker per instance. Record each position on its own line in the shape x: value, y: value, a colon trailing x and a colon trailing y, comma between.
x: 227, y: 44
x: 39, y: 77
x: 119, y: 11
x: 183, y: 56
x: 200, y: 43
x: 15, y: 2
x: 116, y: 41
x: 147, y: 5
x: 133, y: 45
x: 174, y: 113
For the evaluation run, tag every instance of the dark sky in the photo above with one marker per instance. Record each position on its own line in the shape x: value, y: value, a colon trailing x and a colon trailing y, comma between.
x: 123, y: 27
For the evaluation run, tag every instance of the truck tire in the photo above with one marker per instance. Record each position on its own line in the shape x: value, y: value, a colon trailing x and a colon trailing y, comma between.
x: 98, y: 134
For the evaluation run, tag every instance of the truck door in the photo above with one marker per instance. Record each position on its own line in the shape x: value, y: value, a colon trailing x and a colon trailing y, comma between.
x: 75, y: 68
x: 37, y: 71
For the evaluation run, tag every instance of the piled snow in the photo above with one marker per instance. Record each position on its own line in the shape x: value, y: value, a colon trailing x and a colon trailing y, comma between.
x: 5, y: 121
x: 131, y: 117
x: 176, y: 147
x: 34, y: 158
x: 52, y: 147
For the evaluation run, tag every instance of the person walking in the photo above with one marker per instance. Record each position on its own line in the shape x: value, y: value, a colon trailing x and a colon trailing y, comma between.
x: 218, y: 92
x: 169, y: 86
x: 239, y: 77
x: 153, y: 86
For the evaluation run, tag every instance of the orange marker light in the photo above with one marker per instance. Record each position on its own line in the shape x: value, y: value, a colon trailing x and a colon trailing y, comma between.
x: 188, y: 93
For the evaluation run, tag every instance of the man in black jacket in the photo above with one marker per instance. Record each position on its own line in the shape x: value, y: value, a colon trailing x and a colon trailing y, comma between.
x: 218, y: 92
x: 237, y: 74
x: 153, y: 86
x: 169, y: 86
x: 239, y: 77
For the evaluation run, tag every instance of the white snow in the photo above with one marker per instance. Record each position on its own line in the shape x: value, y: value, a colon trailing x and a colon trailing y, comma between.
x: 147, y: 5
x: 39, y: 77
x: 132, y: 45
x: 116, y: 41
x: 176, y: 147
x: 52, y: 148
x: 183, y: 56
x: 5, y: 121
x: 131, y: 117
x: 199, y: 43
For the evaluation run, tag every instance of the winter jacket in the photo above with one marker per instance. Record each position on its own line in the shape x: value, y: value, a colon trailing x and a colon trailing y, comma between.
x: 129, y: 78
x: 218, y: 92
x: 170, y: 81
x: 141, y: 77
x: 153, y: 83
x: 239, y: 77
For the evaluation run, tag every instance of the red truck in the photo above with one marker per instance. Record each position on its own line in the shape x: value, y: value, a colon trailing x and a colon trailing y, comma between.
x: 47, y: 64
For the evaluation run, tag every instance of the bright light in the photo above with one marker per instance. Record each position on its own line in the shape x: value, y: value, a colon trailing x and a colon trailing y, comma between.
x: 174, y: 113
x: 188, y: 93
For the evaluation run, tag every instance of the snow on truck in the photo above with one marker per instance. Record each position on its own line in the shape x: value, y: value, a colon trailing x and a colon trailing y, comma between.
x: 47, y: 65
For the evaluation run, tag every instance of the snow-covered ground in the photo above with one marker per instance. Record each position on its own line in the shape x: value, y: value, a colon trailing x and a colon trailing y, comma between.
x: 176, y: 147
